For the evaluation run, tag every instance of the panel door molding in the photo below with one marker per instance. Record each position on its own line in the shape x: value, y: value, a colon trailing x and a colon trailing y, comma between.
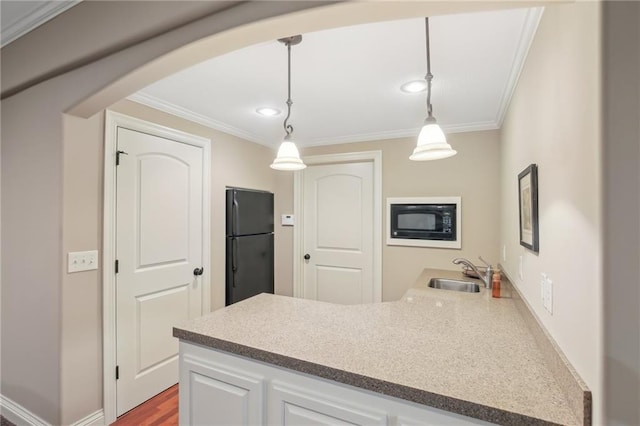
x: 215, y: 394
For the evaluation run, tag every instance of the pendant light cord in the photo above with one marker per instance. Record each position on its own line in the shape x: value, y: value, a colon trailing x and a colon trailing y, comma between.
x: 287, y: 127
x: 429, y: 76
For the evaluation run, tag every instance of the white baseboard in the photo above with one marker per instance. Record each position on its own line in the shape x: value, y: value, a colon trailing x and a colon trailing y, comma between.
x: 95, y: 419
x: 19, y: 415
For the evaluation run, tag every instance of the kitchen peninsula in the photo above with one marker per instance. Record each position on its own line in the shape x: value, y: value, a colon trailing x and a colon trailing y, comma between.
x: 438, y: 356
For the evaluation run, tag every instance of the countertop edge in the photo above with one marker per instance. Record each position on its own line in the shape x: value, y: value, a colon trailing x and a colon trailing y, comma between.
x: 443, y: 402
x: 576, y: 391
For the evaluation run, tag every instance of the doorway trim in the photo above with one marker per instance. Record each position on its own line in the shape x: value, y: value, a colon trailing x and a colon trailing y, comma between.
x: 298, y: 201
x: 113, y: 121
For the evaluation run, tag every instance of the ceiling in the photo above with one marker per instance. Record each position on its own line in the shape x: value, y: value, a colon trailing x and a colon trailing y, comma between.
x: 346, y: 81
x: 19, y: 17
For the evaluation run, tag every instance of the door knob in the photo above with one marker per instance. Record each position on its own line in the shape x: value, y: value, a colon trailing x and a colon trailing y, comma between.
x: 198, y: 271
x: 307, y: 256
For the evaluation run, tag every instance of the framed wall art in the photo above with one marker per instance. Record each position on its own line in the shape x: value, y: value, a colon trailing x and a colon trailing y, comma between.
x: 528, y: 200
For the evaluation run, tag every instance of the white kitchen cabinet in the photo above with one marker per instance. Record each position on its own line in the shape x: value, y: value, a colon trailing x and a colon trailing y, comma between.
x: 218, y: 388
x: 214, y: 394
x: 291, y: 406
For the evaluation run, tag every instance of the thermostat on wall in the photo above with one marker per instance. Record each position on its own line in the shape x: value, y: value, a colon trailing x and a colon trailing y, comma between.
x: 287, y: 220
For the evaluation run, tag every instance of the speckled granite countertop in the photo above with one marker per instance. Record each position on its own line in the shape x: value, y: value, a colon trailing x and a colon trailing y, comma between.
x: 466, y: 353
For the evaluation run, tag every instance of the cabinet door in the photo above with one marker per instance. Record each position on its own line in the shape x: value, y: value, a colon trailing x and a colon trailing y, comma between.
x: 212, y: 394
x: 293, y: 406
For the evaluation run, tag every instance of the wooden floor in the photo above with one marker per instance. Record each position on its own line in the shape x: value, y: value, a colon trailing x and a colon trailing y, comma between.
x: 162, y: 409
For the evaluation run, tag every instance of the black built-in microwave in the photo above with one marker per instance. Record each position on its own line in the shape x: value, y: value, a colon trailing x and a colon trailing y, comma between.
x: 423, y: 221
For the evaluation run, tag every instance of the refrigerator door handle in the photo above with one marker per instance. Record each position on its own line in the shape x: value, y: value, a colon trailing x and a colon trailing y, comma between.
x: 234, y: 259
x: 235, y: 215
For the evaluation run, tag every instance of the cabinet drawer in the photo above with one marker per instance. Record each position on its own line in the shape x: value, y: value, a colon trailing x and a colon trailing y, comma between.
x: 293, y: 406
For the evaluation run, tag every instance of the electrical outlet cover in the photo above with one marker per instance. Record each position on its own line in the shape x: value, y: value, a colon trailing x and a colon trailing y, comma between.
x: 546, y: 292
x: 520, y: 268
x: 549, y: 296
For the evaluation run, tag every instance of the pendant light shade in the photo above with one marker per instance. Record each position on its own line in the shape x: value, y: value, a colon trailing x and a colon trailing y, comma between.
x: 288, y: 157
x: 432, y: 143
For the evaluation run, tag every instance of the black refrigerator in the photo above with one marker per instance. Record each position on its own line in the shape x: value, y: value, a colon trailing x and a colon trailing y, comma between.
x: 249, y: 244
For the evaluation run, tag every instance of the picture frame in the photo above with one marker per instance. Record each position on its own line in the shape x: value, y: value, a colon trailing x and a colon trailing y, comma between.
x: 528, y: 207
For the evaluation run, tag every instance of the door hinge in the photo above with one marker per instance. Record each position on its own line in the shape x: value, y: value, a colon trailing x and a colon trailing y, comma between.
x: 118, y: 156
x: 117, y: 372
x: 117, y: 266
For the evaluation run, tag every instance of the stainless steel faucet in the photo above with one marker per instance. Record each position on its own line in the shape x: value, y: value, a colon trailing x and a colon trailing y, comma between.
x: 486, y: 277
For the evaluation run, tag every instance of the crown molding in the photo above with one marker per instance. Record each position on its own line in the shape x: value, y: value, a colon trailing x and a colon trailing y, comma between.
x: 478, y: 126
x: 530, y: 26
x: 173, y: 109
x: 38, y: 16
x: 399, y: 133
x: 532, y: 20
x: 362, y: 137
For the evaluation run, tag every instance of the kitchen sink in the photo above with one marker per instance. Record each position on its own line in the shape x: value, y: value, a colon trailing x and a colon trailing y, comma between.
x: 456, y: 285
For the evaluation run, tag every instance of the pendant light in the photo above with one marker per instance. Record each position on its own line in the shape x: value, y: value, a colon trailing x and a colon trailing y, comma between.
x: 288, y: 157
x: 432, y: 144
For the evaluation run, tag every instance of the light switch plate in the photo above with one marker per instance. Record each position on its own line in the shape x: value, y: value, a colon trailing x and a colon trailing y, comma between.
x: 82, y: 261
x: 504, y: 253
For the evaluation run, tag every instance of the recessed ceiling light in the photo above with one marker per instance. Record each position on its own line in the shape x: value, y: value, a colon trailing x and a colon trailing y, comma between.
x: 268, y: 111
x: 414, y: 86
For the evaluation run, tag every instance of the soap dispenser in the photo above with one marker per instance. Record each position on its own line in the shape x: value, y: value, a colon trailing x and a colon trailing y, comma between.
x: 495, y: 284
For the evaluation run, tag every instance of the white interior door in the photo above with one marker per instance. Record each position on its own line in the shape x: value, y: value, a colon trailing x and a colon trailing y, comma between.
x: 338, y: 233
x: 159, y: 243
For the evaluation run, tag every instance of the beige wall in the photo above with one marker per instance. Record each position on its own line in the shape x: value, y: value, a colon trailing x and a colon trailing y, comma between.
x: 32, y: 251
x: 553, y: 121
x: 472, y: 174
x: 283, y: 234
x: 81, y: 316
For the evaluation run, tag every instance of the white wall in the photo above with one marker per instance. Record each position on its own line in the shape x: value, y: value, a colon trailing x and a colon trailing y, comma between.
x: 554, y: 121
